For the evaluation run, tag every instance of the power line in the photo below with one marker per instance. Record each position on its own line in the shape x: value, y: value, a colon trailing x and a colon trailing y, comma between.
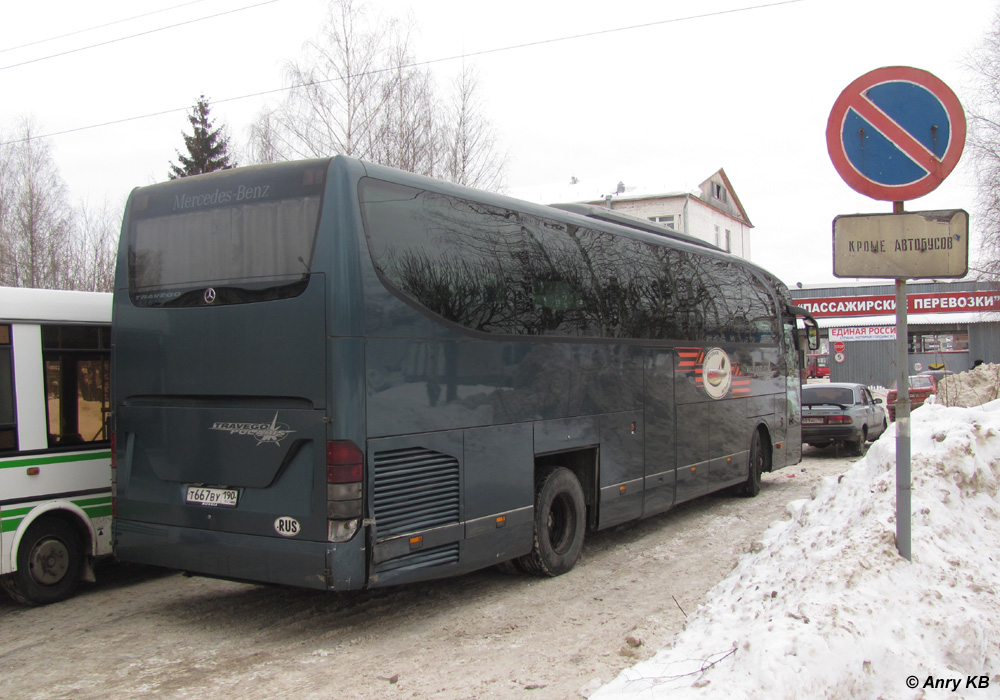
x: 416, y: 64
x: 99, y: 26
x: 133, y: 36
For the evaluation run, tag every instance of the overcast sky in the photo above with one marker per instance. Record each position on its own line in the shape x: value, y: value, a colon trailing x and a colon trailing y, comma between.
x: 683, y: 89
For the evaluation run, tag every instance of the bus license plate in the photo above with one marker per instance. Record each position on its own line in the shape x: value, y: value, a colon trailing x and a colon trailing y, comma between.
x: 203, y: 496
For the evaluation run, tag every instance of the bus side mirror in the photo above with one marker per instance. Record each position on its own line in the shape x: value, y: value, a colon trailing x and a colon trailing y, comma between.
x: 812, y: 328
x: 812, y: 336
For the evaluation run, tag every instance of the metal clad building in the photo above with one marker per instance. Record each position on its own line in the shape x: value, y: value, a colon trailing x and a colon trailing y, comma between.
x: 950, y: 325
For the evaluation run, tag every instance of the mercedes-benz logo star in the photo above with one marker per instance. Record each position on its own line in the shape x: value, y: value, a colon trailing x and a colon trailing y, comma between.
x: 209, y: 296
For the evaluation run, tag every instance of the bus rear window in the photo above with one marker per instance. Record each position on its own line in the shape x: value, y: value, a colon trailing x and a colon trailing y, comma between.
x: 252, y: 247
x: 248, y: 234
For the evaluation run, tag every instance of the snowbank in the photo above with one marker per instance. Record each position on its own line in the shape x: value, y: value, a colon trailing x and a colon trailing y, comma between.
x: 824, y: 606
x: 973, y: 388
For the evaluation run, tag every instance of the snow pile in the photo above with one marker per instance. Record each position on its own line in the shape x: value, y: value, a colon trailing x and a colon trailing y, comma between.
x: 824, y: 606
x: 973, y: 388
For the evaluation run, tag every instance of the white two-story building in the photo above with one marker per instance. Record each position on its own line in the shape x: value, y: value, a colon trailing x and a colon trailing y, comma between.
x: 713, y: 213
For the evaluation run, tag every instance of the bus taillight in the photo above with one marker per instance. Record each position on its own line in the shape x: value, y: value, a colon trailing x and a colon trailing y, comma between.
x: 345, y: 467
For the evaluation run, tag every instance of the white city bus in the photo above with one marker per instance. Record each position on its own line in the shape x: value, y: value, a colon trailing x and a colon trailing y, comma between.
x: 55, y: 449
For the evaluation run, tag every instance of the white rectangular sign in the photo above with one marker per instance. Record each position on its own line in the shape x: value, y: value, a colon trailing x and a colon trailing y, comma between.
x: 902, y: 246
x: 864, y: 333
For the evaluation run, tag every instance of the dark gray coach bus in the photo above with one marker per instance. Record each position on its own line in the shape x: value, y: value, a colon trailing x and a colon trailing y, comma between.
x: 336, y: 375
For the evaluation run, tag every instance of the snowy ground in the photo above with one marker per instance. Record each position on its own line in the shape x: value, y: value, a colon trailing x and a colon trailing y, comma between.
x: 824, y: 606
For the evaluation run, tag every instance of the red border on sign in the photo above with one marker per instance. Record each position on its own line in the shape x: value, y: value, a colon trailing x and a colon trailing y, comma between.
x: 885, y: 304
x: 853, y: 94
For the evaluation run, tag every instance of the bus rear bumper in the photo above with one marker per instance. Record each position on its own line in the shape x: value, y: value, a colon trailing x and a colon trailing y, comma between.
x: 227, y: 555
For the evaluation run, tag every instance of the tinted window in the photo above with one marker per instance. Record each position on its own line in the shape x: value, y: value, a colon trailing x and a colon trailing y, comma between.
x: 827, y: 395
x: 248, y: 230
x: 496, y: 270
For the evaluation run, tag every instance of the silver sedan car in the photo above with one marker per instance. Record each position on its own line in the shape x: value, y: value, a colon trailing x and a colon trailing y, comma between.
x: 842, y: 413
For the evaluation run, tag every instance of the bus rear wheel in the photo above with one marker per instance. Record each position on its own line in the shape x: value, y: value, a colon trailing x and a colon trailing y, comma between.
x: 49, y: 561
x: 560, y: 524
x: 758, y: 465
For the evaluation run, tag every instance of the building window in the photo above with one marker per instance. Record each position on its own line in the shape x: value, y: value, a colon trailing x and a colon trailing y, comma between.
x: 719, y: 191
x: 729, y: 241
x: 671, y: 221
x: 929, y: 343
x: 718, y: 237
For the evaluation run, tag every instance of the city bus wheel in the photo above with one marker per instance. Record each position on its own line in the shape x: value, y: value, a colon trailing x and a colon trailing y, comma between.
x: 758, y: 462
x: 560, y: 524
x: 49, y: 562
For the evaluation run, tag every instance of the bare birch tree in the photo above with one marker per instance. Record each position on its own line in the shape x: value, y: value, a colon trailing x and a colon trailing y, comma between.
x: 339, y: 88
x: 471, y: 152
x: 36, y: 219
x: 359, y: 91
x: 404, y: 136
x: 983, y: 144
x: 94, y: 246
x: 43, y: 242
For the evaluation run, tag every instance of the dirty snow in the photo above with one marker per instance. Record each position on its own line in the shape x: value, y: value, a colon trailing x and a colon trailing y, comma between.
x: 824, y: 606
x: 972, y: 388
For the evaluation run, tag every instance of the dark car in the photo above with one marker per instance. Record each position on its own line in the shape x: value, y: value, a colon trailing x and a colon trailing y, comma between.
x: 921, y: 386
x: 842, y: 413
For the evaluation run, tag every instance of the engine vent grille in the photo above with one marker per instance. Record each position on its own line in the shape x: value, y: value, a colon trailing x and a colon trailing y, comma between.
x: 436, y: 556
x: 415, y: 489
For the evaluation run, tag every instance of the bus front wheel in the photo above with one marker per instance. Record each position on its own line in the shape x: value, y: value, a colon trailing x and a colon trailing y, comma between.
x: 758, y: 465
x: 49, y: 561
x: 560, y: 524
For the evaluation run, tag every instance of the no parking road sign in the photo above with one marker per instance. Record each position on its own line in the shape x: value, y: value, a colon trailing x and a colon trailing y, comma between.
x: 896, y: 133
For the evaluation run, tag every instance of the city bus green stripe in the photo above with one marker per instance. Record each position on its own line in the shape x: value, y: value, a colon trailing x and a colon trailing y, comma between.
x: 88, y: 502
x: 54, y: 459
x: 10, y: 519
x: 13, y: 512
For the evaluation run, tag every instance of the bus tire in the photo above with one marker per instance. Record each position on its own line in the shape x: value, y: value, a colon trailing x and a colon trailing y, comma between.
x: 757, y: 463
x: 560, y: 524
x: 49, y: 562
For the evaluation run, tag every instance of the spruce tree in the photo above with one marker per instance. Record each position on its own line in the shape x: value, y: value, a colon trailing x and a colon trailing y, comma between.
x: 208, y: 148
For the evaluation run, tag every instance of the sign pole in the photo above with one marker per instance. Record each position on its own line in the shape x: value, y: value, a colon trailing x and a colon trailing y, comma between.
x: 903, y: 492
x: 895, y: 134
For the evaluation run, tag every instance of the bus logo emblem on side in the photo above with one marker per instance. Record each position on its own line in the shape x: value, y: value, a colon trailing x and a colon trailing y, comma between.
x: 286, y: 527
x: 717, y: 373
x: 263, y: 433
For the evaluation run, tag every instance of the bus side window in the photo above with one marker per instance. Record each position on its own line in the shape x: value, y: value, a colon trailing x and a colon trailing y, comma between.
x: 8, y: 417
x: 77, y: 384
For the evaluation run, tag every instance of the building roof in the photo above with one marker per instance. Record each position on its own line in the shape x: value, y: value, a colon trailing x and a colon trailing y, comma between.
x: 579, y: 191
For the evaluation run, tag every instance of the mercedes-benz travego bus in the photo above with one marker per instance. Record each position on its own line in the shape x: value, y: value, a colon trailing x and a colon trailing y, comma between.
x: 337, y: 375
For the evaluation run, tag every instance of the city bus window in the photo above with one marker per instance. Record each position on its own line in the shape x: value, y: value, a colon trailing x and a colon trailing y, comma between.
x: 77, y: 384
x: 8, y: 418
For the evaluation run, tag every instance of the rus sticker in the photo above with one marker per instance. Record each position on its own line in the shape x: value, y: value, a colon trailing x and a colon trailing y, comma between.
x: 286, y: 527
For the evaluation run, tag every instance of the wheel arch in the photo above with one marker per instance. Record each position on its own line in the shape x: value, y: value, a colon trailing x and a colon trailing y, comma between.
x: 70, y: 513
x: 766, y: 443
x: 583, y: 462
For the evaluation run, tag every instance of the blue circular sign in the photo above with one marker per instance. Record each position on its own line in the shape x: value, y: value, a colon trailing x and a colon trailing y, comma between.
x: 895, y: 133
